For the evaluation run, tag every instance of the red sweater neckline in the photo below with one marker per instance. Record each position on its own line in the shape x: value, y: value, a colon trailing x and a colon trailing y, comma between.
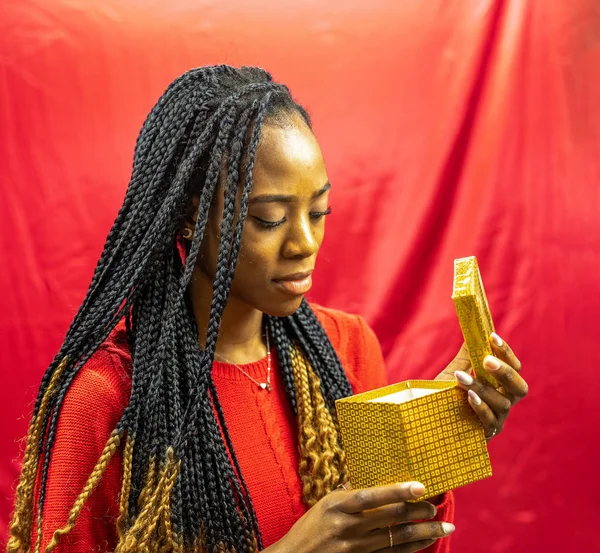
x: 256, y: 369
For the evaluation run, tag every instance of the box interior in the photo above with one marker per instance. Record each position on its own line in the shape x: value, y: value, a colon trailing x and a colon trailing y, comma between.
x: 404, y: 395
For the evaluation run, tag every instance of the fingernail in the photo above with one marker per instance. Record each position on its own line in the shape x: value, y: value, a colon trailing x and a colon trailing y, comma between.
x: 491, y: 363
x: 496, y: 339
x: 474, y: 397
x: 417, y: 489
x: 463, y: 378
x: 448, y: 528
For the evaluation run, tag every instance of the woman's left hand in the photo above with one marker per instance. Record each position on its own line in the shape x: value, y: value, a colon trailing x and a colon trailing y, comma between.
x: 491, y: 405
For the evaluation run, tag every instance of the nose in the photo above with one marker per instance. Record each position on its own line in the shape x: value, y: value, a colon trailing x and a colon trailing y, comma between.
x: 302, y: 240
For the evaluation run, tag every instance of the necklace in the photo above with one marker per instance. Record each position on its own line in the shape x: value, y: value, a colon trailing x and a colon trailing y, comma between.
x: 262, y: 385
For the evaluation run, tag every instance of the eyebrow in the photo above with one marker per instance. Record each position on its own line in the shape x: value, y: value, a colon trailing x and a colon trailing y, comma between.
x: 282, y: 198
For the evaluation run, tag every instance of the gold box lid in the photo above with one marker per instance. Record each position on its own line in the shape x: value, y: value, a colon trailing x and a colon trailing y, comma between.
x: 473, y: 311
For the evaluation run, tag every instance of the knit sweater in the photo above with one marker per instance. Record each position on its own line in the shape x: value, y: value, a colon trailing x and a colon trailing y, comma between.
x: 261, y: 425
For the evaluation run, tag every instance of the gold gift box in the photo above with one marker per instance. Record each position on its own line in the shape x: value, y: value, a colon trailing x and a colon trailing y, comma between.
x: 473, y: 314
x: 423, y: 430
x: 435, y: 439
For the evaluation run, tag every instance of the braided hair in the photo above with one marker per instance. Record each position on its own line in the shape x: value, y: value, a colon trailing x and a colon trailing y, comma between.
x: 182, y: 487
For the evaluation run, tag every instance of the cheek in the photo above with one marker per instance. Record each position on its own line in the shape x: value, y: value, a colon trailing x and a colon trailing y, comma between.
x: 258, y: 256
x: 207, y: 254
x: 320, y: 234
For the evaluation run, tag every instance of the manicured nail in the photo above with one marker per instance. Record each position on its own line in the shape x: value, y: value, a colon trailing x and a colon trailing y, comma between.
x: 491, y: 363
x: 448, y: 528
x: 417, y: 489
x: 463, y: 378
x: 497, y: 340
x: 474, y: 397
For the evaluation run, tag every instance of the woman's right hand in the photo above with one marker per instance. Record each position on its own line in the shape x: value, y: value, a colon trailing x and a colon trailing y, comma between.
x: 361, y: 521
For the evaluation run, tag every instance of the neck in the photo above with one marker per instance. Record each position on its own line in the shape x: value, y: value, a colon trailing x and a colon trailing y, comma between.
x: 240, y: 337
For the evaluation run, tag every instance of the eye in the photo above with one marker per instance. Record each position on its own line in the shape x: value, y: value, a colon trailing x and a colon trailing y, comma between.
x: 269, y: 224
x: 317, y: 215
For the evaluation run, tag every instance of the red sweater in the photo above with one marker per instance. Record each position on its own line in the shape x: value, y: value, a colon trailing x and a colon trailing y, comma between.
x: 261, y: 424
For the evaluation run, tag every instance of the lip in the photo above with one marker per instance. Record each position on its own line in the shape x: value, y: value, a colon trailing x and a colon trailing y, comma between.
x: 294, y: 276
x: 295, y: 284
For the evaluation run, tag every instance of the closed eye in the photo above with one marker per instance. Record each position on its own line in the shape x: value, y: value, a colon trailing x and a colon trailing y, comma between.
x: 314, y: 215
x: 317, y: 215
x: 269, y: 224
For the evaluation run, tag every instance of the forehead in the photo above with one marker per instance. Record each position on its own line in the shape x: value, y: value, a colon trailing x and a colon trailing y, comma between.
x: 288, y: 161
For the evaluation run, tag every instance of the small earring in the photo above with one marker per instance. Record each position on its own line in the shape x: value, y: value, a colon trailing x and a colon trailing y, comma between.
x: 188, y: 233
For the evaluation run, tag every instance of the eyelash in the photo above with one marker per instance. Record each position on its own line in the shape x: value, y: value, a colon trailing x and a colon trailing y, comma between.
x: 270, y: 225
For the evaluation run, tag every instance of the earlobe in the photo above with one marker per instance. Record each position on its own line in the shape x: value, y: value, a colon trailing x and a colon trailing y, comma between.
x: 191, y: 218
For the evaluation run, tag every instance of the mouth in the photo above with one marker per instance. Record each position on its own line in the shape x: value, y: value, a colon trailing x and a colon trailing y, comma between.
x: 295, y: 284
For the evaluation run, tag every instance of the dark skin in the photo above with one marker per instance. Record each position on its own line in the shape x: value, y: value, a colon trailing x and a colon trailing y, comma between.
x: 290, y: 194
x: 491, y: 405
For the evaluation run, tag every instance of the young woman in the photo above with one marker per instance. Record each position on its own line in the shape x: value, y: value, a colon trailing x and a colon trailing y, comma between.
x: 191, y: 405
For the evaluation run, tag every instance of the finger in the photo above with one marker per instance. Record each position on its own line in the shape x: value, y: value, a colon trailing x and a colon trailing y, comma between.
x: 499, y: 403
x: 491, y: 425
x: 410, y: 547
x: 494, y: 406
x: 396, y: 513
x: 410, y: 533
x: 503, y: 351
x: 357, y: 501
x: 512, y: 383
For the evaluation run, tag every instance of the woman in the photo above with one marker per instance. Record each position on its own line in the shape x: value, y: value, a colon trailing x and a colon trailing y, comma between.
x: 191, y: 405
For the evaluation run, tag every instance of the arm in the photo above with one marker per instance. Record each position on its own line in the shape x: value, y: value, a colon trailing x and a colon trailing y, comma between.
x: 370, y: 373
x: 90, y: 412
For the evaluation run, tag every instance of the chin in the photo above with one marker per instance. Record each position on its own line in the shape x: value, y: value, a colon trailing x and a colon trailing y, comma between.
x: 283, y: 308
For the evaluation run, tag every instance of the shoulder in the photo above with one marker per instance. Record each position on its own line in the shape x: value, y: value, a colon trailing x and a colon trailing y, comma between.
x: 357, y: 347
x: 342, y: 327
x: 335, y: 321
x: 104, y: 381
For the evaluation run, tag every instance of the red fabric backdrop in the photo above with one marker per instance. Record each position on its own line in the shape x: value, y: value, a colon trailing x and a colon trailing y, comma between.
x: 450, y: 128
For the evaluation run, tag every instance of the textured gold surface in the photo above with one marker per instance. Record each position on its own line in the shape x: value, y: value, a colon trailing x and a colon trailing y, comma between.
x: 473, y: 313
x: 436, y: 439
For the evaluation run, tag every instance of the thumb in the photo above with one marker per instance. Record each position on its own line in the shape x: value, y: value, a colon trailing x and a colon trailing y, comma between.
x: 461, y: 362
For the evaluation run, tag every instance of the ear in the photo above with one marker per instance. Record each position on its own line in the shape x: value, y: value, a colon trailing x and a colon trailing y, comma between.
x: 191, y: 216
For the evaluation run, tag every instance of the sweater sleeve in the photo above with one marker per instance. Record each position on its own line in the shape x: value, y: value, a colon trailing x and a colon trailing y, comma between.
x: 91, y: 409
